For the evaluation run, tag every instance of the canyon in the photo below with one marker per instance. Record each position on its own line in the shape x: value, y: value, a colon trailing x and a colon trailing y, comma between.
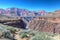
x: 39, y: 21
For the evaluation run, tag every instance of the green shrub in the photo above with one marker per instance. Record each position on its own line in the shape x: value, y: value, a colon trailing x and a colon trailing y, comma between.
x: 23, y: 34
x: 6, y: 34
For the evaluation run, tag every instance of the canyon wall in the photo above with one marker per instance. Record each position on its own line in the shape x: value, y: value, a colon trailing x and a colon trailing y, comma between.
x: 45, y: 24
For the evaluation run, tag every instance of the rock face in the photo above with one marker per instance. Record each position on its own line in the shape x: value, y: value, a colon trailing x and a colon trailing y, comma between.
x: 19, y: 23
x: 45, y: 25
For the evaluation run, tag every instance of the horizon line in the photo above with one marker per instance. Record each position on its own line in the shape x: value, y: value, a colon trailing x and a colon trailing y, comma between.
x: 28, y: 9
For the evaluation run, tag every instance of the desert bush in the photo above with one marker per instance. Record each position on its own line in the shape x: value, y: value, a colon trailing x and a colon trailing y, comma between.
x: 6, y: 34
x: 23, y: 34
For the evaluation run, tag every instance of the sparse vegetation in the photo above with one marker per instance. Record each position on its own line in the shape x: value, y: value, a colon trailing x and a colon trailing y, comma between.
x: 7, y: 31
x: 30, y: 34
x: 24, y: 34
x: 41, y: 37
x: 34, y: 35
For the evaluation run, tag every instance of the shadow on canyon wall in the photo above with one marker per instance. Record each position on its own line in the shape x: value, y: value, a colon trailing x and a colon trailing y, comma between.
x: 15, y: 23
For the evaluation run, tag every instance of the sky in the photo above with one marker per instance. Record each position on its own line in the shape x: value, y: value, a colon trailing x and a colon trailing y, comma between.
x: 47, y: 5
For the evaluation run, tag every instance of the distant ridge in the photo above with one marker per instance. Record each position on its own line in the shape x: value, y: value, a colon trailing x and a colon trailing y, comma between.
x: 17, y: 12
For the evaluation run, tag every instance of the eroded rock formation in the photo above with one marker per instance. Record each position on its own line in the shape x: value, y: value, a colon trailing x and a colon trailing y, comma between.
x: 45, y: 24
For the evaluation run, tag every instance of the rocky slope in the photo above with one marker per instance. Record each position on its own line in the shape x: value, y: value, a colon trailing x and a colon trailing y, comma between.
x: 45, y: 24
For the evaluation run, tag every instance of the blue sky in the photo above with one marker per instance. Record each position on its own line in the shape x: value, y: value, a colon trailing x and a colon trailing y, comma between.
x: 47, y: 5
